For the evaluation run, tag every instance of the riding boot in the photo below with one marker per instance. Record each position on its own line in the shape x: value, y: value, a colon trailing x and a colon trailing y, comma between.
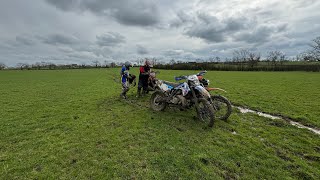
x: 144, y: 93
x: 139, y: 92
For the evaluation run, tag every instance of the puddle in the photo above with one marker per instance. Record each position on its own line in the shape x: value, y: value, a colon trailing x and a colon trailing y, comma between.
x: 245, y: 110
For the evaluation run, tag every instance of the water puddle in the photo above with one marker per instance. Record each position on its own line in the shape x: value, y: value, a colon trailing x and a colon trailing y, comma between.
x: 245, y: 110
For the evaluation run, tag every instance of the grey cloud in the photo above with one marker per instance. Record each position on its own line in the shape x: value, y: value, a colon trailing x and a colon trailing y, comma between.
x: 261, y: 34
x: 142, y: 50
x: 56, y: 39
x: 64, y: 5
x: 142, y: 15
x: 178, y: 53
x: 208, y: 33
x: 127, y: 12
x: 181, y: 19
x: 110, y: 39
x: 238, y: 23
x: 24, y: 40
x: 214, y: 30
x: 173, y: 52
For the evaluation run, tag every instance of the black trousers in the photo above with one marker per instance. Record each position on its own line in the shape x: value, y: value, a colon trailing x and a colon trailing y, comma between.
x: 143, y: 83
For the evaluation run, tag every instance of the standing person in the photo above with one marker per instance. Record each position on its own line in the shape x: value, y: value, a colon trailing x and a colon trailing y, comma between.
x: 125, y: 76
x: 143, y: 78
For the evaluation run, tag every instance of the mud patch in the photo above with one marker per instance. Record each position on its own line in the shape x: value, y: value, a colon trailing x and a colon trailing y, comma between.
x: 270, y: 116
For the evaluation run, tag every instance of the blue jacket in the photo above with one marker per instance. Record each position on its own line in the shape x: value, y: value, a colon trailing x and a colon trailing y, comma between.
x: 124, y: 74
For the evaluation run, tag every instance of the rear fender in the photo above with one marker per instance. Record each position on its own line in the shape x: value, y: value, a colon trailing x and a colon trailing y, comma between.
x: 203, y: 91
x: 215, y: 89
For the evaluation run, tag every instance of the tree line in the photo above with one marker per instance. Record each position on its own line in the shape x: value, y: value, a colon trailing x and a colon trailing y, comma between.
x: 246, y: 60
x: 242, y: 60
x: 51, y: 66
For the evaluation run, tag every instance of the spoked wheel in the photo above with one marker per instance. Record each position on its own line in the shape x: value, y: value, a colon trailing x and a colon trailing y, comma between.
x: 157, y: 102
x: 221, y: 106
x: 205, y: 112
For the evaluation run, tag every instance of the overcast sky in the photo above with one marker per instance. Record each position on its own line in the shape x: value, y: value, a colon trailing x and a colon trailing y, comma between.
x: 80, y: 31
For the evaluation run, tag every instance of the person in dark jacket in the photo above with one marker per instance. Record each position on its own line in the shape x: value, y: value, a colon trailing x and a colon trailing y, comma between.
x: 143, y: 78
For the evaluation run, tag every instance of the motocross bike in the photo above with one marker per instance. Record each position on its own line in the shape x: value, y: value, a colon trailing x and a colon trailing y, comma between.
x: 220, y: 104
x: 152, y: 81
x: 184, y: 96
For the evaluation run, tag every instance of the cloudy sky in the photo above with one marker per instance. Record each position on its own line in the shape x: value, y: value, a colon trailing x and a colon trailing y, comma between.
x: 80, y: 31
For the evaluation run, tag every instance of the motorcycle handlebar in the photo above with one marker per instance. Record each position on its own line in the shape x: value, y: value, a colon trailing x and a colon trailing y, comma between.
x: 201, y: 73
x: 180, y: 78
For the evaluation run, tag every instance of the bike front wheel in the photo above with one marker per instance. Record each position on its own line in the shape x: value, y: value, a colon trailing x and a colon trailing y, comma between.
x: 221, y: 106
x: 205, y: 112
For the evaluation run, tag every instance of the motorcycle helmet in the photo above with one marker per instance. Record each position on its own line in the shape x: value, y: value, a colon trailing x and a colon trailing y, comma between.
x: 128, y: 64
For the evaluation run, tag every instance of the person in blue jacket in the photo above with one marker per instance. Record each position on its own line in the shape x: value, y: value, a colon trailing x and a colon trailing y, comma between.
x: 126, y: 79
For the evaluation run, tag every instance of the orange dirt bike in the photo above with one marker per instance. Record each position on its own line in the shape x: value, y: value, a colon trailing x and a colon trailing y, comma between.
x: 220, y: 104
x: 152, y: 81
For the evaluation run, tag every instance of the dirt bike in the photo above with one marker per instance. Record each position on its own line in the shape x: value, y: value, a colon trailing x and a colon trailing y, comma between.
x: 184, y: 96
x: 220, y: 104
x: 152, y: 80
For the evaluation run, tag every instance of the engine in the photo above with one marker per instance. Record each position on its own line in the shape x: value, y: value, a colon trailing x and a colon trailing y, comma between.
x: 180, y: 100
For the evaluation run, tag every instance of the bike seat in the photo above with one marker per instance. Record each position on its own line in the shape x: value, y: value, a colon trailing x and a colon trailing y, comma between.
x: 171, y: 84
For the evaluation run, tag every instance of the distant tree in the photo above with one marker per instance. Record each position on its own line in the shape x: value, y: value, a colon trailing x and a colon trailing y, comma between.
x: 106, y: 64
x: 253, y: 59
x: 140, y: 61
x: 276, y: 56
x: 154, y: 61
x: 241, y: 55
x: 37, y: 65
x: 172, y: 62
x: 2, y: 66
x: 22, y: 66
x: 314, y: 53
x: 113, y: 64
x: 96, y: 63
x: 217, y: 59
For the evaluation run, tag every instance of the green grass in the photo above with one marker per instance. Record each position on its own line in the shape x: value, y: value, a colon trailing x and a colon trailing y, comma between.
x: 71, y: 124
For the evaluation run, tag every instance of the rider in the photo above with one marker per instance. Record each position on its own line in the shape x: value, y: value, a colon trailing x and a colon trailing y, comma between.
x: 143, y: 78
x: 126, y: 79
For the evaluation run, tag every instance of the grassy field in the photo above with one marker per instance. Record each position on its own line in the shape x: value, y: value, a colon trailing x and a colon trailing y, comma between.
x: 71, y: 124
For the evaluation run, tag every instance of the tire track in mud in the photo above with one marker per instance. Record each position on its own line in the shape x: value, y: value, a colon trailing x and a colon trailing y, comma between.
x: 244, y: 110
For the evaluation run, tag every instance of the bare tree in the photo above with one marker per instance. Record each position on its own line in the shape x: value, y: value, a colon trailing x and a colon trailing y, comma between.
x: 218, y: 59
x: 2, y: 66
x: 275, y: 57
x: 172, y: 61
x: 315, y: 52
x: 22, y: 65
x: 154, y: 61
x: 96, y: 63
x: 253, y: 59
x: 241, y: 55
x: 282, y: 58
x: 140, y: 61
x: 113, y: 64
x: 105, y: 64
